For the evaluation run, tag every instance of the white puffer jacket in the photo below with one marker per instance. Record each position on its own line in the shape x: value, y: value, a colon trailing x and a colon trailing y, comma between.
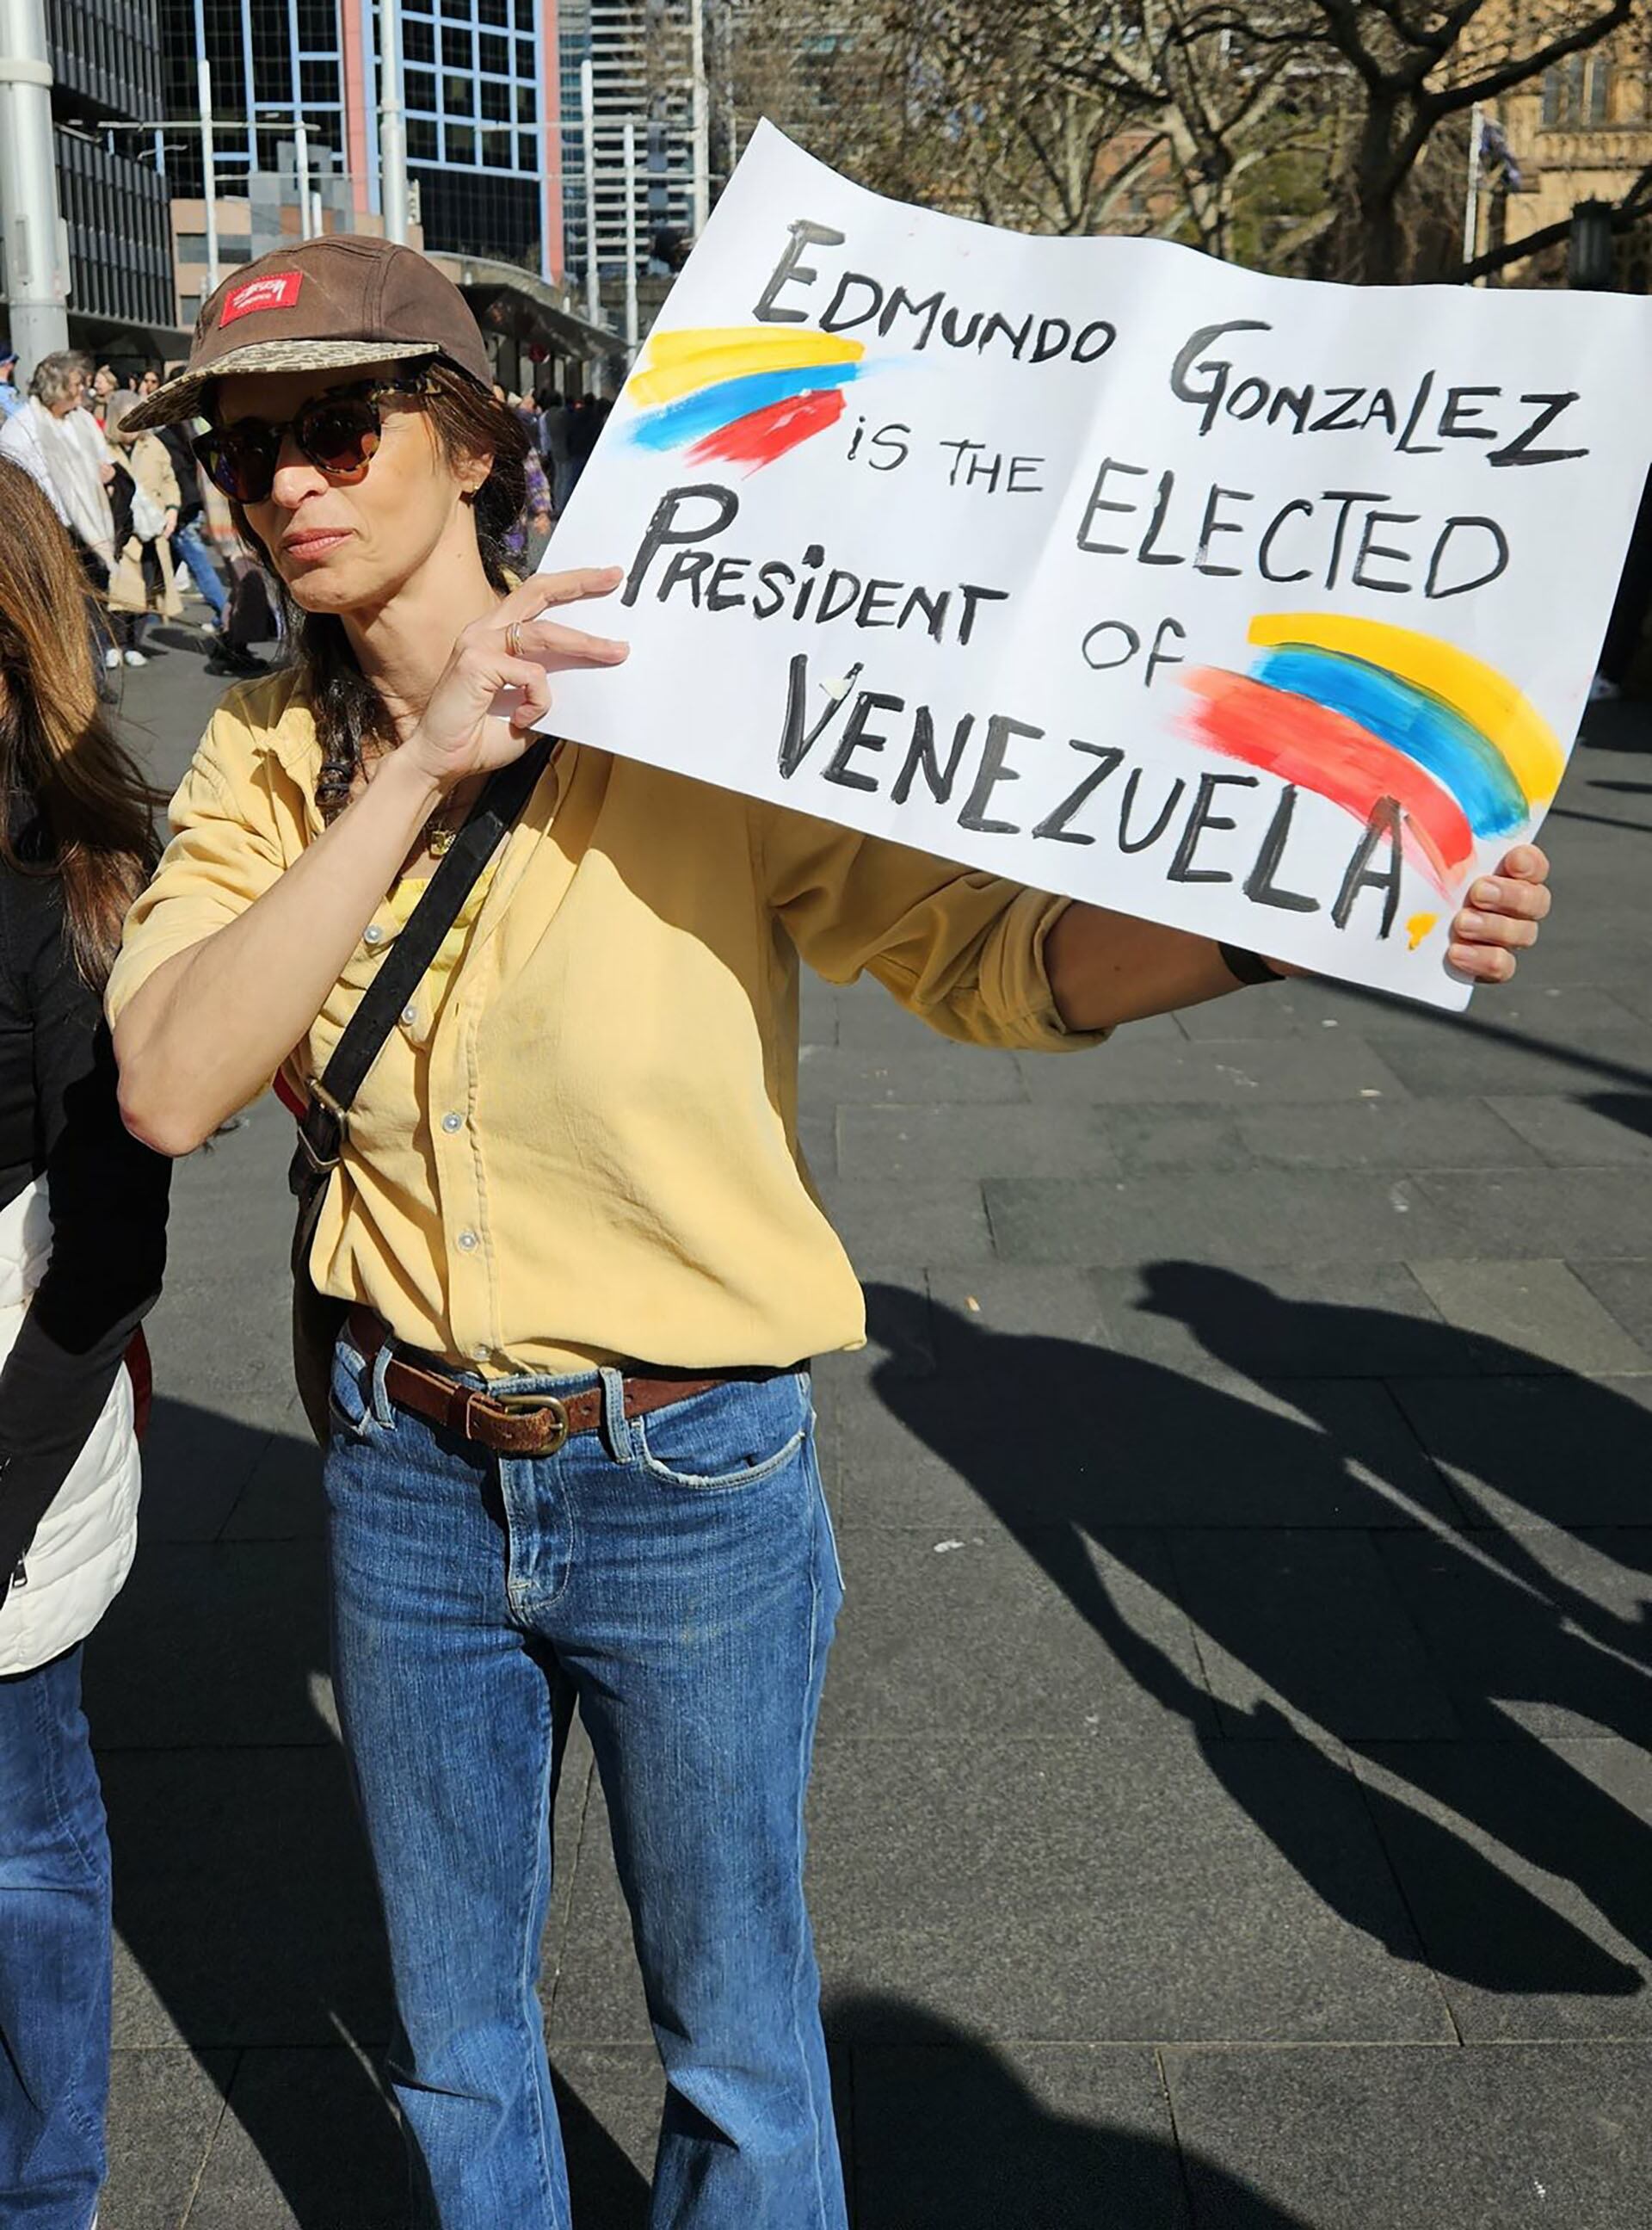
x: 83, y: 1547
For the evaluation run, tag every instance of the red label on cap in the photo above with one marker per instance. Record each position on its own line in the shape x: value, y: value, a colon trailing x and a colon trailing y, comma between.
x: 278, y: 292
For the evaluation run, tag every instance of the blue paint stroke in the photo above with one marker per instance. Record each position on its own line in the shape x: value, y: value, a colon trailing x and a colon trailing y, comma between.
x: 1440, y: 741
x: 693, y: 416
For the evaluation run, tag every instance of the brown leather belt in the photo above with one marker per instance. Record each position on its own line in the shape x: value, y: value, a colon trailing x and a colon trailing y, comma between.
x: 517, y: 1424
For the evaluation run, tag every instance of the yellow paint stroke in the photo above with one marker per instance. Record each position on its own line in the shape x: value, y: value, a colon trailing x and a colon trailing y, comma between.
x: 1489, y: 700
x: 682, y: 362
x: 1418, y: 927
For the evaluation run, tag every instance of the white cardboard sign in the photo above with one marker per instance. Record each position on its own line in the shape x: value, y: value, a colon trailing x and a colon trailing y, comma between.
x: 1262, y: 608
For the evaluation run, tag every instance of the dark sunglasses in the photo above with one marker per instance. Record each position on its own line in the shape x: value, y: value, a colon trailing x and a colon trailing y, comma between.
x: 338, y: 431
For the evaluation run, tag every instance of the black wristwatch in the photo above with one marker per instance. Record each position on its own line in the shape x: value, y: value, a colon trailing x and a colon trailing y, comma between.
x: 1247, y: 967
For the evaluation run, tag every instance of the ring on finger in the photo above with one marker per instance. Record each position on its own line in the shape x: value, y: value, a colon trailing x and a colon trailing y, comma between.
x: 513, y: 639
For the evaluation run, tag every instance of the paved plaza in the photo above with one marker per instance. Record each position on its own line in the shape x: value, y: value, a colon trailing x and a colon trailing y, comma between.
x: 1233, y: 1809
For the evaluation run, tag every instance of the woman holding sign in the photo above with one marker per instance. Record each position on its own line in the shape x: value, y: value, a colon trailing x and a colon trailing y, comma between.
x: 571, y: 1440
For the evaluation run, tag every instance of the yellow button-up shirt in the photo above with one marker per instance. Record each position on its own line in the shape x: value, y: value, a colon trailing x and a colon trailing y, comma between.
x: 586, y: 1146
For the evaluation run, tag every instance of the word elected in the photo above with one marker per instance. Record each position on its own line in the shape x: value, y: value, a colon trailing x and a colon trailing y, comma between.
x: 719, y: 581
x: 1419, y: 424
x: 1465, y: 553
x: 1152, y: 809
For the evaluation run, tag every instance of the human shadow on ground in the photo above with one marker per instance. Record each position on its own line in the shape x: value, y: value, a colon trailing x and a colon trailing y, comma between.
x: 950, y: 2134
x: 245, y: 1909
x: 1343, y: 1593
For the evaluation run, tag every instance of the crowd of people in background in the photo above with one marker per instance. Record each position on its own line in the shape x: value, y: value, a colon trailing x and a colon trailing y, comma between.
x: 133, y: 506
x: 136, y: 507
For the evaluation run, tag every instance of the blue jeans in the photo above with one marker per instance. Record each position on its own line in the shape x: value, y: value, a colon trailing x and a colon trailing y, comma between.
x: 676, y: 1574
x: 54, y: 1954
x: 193, y: 551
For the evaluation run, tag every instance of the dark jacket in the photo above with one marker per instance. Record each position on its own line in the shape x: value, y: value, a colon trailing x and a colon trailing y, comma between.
x: 59, y: 1115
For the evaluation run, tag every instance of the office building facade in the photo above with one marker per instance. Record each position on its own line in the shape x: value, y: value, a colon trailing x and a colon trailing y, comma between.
x: 106, y: 87
x: 479, y: 88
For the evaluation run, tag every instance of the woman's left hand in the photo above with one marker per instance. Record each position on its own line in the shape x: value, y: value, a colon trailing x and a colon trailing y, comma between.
x: 1501, y: 917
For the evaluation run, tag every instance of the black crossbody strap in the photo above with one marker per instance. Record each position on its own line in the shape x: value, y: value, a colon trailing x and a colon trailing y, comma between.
x: 321, y: 1132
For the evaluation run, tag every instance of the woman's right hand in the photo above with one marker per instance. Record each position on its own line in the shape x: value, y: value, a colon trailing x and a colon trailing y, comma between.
x: 459, y: 732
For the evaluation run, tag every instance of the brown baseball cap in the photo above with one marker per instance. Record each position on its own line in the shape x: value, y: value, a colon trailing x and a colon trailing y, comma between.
x: 321, y: 305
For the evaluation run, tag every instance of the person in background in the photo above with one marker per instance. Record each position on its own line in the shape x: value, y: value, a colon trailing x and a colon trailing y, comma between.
x: 525, y: 540
x: 145, y: 500
x: 582, y: 429
x: 148, y: 380
x: 553, y: 446
x: 44, y: 440
x: 82, y: 1248
x: 189, y: 542
x: 10, y: 401
x: 104, y: 384
x: 1629, y: 608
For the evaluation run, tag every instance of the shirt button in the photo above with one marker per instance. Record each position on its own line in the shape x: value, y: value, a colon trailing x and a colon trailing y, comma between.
x: 409, y: 1015
x: 372, y: 934
x: 451, y: 1122
x: 468, y: 1242
x: 479, y: 1353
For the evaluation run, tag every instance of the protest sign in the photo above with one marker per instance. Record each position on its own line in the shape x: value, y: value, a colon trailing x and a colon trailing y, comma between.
x: 1259, y: 607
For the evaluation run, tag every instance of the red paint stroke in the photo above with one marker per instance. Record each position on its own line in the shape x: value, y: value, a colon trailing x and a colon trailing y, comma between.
x: 1324, y: 751
x: 762, y: 435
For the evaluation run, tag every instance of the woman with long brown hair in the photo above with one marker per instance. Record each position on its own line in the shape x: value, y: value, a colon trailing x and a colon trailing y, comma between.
x: 572, y: 1440
x: 82, y: 1246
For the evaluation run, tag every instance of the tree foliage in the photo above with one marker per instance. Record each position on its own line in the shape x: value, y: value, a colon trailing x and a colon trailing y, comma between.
x: 1328, y: 137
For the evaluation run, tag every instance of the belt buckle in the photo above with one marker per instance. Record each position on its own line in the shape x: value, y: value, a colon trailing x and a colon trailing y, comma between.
x: 538, y: 1405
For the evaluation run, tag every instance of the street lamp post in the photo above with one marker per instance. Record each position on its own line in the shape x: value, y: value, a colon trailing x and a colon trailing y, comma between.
x: 208, y: 151
x: 36, y: 266
x: 392, y: 124
x: 631, y: 234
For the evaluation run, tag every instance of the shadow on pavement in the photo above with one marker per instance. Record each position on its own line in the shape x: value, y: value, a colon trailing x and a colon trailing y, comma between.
x: 1343, y: 1596
x: 950, y: 2134
x: 246, y: 1914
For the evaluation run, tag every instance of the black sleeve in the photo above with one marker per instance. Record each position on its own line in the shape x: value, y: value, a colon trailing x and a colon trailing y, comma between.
x: 108, y: 1207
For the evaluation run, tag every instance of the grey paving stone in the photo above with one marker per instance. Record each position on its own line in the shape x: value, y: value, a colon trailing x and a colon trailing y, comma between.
x: 1032, y: 1438
x: 245, y: 1911
x: 1525, y: 1870
x: 817, y: 1138
x: 900, y: 1334
x: 211, y: 1644
x: 885, y: 1222
x: 960, y: 2134
x: 1626, y: 1289
x: 164, y: 2108
x: 281, y: 1499
x: 869, y: 1019
x: 196, y: 1463
x: 1174, y: 1137
x: 1309, y: 1627
x: 970, y: 1141
x: 1252, y: 1074
x: 309, y: 2142
x: 1309, y: 1320
x: 1541, y: 1633
x: 973, y: 1306
x: 1250, y: 1220
x: 1531, y: 1314
x: 1416, y: 2139
x: 925, y: 1076
x: 1384, y: 1134
x: 1076, y: 1633
x: 1582, y: 1132
x: 1521, y: 1452
x: 818, y: 1008
x: 1075, y: 1892
x: 1559, y: 1212
x: 1479, y: 1062
x: 1240, y: 1019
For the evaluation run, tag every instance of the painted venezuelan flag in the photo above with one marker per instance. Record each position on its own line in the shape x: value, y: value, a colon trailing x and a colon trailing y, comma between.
x: 1357, y: 710
x: 740, y: 395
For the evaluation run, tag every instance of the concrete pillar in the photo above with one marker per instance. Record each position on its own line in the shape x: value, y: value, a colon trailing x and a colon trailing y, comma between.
x: 31, y: 233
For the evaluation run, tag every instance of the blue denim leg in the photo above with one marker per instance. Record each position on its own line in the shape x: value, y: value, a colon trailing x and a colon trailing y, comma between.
x: 205, y: 575
x: 679, y: 1571
x: 446, y: 1709
x: 55, y: 1944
